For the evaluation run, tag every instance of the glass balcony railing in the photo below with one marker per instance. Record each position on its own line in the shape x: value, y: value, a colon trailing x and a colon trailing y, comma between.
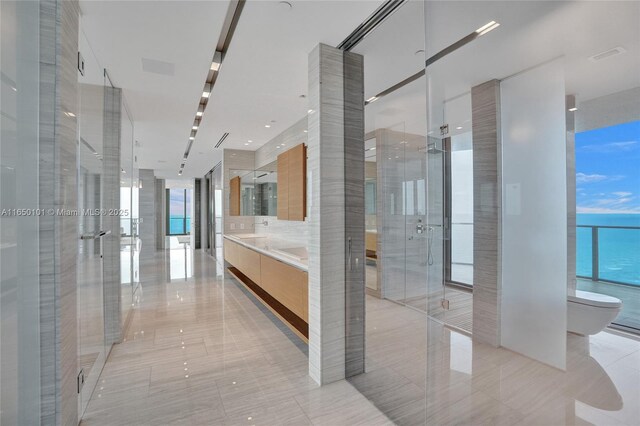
x: 609, y: 253
x: 608, y: 262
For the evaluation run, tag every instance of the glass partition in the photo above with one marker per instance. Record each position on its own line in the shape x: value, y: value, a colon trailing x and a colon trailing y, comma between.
x: 20, y: 355
x: 92, y: 348
x: 127, y: 239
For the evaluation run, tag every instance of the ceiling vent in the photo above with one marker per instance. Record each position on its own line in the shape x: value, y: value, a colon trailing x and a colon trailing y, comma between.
x: 607, y: 54
x: 158, y: 67
x: 222, y: 139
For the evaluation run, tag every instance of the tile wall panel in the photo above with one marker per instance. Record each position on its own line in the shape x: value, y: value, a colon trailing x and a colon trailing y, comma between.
x: 147, y: 210
x: 111, y: 201
x: 485, y: 100
x: 58, y: 190
x: 161, y: 213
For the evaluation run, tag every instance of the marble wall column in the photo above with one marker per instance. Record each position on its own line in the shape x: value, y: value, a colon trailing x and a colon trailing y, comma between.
x: 335, y: 167
x: 147, y: 210
x: 196, y: 213
x: 112, y: 125
x: 58, y: 189
x: 487, y: 216
x: 161, y: 213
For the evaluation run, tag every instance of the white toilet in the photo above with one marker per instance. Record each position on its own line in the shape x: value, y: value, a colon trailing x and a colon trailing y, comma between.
x: 589, y: 313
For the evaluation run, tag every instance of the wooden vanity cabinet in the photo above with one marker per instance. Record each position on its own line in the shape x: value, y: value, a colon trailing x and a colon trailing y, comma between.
x: 276, y: 284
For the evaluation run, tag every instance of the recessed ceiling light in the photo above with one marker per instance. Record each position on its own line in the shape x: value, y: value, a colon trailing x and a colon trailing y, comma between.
x: 267, y: 125
x: 310, y: 111
x: 286, y: 4
x: 246, y: 144
x: 199, y: 114
x: 195, y: 127
x: 305, y: 131
x: 249, y: 141
x: 487, y: 27
x: 573, y: 109
x: 216, y: 61
x: 372, y: 99
x: 459, y: 128
x: 419, y: 52
x: 373, y: 148
x: 278, y: 147
x: 69, y: 114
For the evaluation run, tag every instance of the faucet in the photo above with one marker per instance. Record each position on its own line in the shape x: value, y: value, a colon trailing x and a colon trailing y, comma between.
x: 265, y: 223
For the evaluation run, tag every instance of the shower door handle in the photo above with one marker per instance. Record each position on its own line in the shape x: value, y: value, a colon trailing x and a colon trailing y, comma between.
x: 349, y: 255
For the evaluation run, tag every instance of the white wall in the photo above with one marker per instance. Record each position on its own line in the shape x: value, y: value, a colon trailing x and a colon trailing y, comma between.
x: 534, y: 228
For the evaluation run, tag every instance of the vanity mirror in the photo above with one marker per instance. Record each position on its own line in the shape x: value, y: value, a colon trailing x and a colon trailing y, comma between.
x: 254, y: 192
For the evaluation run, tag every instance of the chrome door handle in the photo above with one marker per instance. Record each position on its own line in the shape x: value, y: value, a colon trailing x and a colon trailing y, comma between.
x: 349, y: 256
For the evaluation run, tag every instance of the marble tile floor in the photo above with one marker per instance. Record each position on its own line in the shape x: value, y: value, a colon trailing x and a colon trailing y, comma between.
x: 199, y: 350
x: 420, y: 372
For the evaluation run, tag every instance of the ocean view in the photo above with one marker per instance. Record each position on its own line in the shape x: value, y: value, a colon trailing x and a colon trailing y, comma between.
x: 619, y: 249
x: 177, y: 225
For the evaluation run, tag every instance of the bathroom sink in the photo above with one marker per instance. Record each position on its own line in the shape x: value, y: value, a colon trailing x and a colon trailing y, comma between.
x: 248, y: 236
x: 298, y: 253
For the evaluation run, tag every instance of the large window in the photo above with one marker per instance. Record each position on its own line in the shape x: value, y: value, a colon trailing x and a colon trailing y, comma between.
x: 178, y: 210
x: 608, y: 215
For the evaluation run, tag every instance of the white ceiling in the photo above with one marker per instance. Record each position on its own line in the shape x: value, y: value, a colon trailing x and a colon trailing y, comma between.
x: 265, y: 70
x: 181, y: 35
x: 530, y: 33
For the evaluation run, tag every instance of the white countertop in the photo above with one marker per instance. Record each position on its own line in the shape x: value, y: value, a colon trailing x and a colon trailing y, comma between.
x: 275, y: 247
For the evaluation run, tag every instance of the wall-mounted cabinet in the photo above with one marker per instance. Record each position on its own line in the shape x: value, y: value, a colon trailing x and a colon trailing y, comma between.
x: 292, y: 183
x: 234, y: 196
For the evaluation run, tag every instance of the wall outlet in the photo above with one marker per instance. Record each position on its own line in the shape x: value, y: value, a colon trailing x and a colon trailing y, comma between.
x: 242, y: 226
x: 232, y: 226
x: 445, y: 304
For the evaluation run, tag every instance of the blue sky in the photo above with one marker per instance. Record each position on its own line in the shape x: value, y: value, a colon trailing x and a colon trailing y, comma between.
x: 176, y: 202
x: 608, y: 169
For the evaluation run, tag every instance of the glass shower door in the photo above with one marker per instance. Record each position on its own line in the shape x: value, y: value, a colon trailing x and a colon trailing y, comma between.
x: 92, y: 349
x: 91, y: 338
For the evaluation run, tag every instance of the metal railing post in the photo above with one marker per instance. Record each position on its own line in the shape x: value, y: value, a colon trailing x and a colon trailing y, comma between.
x: 594, y: 254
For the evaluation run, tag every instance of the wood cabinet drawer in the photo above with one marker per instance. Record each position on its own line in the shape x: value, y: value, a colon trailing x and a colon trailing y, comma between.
x: 249, y: 263
x: 246, y: 260
x: 286, y: 284
x: 231, y: 252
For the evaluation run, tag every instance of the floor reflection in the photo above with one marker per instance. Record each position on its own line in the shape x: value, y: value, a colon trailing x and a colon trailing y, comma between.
x: 180, y: 257
x: 421, y: 372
